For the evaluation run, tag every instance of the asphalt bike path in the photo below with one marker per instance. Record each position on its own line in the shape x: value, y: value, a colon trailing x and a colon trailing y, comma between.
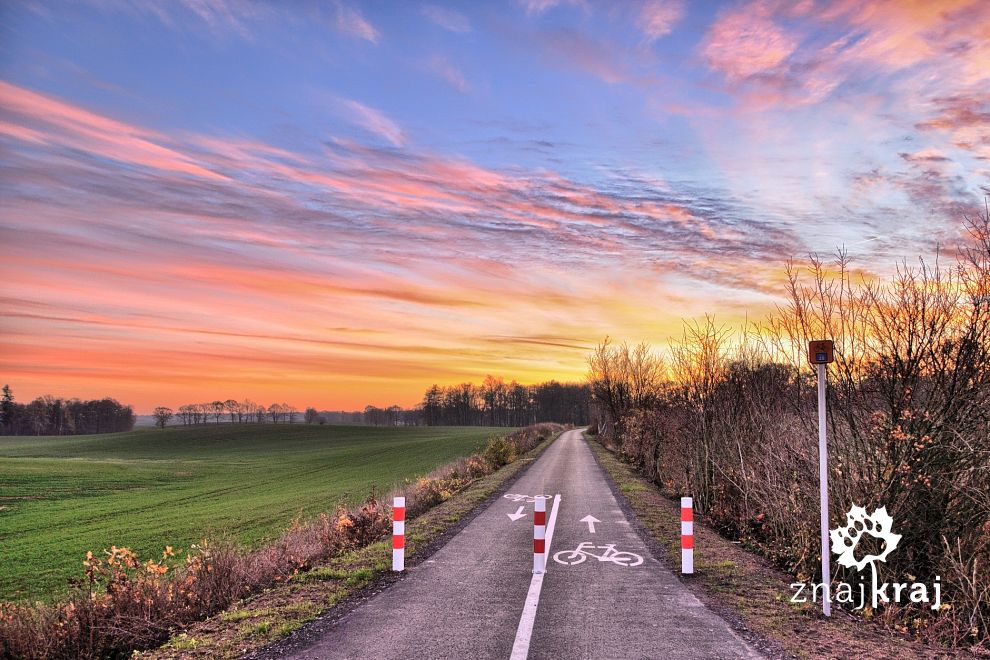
x: 603, y: 595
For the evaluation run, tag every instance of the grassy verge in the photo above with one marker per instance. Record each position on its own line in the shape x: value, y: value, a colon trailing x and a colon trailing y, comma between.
x: 269, y: 616
x: 748, y: 590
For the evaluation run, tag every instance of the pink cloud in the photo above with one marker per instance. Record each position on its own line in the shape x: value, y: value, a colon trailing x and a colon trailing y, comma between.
x: 776, y: 53
x: 964, y: 119
x: 375, y: 121
x: 658, y: 17
x: 42, y: 118
x: 446, y: 70
x: 745, y: 42
x: 578, y: 50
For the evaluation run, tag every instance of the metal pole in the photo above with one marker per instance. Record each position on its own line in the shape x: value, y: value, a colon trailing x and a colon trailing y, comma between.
x: 823, y: 481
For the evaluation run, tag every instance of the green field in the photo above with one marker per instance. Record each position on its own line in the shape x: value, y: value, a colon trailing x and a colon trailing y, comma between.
x: 62, y: 496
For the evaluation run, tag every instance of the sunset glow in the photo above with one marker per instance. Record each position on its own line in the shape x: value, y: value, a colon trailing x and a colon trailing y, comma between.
x: 340, y: 203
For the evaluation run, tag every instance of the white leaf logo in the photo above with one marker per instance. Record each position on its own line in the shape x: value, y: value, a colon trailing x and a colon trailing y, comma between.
x: 845, y: 539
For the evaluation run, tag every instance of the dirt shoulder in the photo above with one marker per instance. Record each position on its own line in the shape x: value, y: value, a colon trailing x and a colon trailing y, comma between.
x: 314, y: 600
x: 746, y: 590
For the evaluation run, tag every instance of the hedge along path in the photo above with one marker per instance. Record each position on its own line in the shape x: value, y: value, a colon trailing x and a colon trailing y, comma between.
x: 745, y: 588
x: 331, y: 589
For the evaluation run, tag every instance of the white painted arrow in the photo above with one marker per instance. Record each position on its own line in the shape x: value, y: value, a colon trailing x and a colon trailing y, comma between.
x: 591, y: 520
x: 517, y: 515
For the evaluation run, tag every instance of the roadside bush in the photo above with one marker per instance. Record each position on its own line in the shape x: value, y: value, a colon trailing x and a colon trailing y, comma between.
x: 734, y: 424
x: 499, y: 452
x: 368, y: 524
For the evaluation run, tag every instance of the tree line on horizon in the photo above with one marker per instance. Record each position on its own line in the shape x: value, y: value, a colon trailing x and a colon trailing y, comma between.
x: 49, y: 415
x: 494, y: 402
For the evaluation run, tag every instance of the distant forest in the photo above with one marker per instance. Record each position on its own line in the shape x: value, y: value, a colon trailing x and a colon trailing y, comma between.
x: 48, y: 415
x: 492, y: 403
x: 497, y: 403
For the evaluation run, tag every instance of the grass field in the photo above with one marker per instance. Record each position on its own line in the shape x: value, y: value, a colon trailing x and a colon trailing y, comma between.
x: 62, y: 496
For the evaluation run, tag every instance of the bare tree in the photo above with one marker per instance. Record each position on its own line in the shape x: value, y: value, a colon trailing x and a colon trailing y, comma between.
x: 162, y: 415
x: 232, y: 407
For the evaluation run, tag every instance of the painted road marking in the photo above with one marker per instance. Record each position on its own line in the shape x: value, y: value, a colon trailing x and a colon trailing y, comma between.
x: 584, y: 550
x: 591, y: 520
x: 517, y: 515
x: 520, y: 648
x: 529, y: 499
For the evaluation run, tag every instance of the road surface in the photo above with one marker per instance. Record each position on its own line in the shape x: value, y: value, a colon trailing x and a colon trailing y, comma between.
x: 469, y: 600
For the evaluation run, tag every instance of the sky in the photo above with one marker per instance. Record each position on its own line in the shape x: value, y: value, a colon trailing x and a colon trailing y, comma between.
x: 339, y: 203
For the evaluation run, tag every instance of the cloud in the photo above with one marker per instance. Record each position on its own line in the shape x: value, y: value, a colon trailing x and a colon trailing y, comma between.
x: 779, y: 54
x: 446, y: 70
x: 352, y: 267
x: 448, y: 19
x: 965, y: 118
x: 374, y: 121
x: 114, y: 248
x: 578, y: 50
x: 349, y: 20
x: 657, y: 18
x: 221, y: 18
x: 745, y: 42
x: 536, y: 7
x: 37, y: 118
x: 925, y: 156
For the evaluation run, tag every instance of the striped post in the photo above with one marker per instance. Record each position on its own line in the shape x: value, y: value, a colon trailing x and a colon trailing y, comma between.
x: 539, y: 534
x: 687, y: 535
x: 399, y: 534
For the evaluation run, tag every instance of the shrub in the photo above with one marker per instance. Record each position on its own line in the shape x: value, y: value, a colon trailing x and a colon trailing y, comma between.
x: 500, y: 451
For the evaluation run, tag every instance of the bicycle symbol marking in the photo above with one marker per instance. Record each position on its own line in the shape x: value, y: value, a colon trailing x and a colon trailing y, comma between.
x: 516, y: 497
x: 585, y: 550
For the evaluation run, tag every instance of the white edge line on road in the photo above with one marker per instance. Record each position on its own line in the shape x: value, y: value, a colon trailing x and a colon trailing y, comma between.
x: 520, y: 648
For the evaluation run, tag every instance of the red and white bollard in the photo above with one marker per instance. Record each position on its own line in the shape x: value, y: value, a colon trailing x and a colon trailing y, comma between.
x: 539, y: 534
x: 399, y: 534
x: 687, y: 535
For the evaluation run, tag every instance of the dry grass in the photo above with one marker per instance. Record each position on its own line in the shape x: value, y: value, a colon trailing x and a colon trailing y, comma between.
x: 728, y: 576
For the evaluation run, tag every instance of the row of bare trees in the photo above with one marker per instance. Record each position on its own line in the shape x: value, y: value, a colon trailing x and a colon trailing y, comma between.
x: 731, y: 418
x: 230, y: 411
